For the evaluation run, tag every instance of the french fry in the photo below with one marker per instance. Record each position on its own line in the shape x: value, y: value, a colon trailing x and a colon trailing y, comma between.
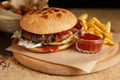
x: 83, y: 22
x: 108, y: 42
x: 90, y: 30
x: 93, y: 25
x: 99, y: 24
x: 107, y: 35
x: 108, y: 25
x: 83, y: 16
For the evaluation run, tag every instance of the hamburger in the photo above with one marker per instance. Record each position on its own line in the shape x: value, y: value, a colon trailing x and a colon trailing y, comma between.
x: 47, y: 30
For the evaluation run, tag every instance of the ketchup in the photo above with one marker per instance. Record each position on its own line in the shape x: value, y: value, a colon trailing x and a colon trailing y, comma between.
x: 50, y: 48
x: 89, y: 43
x: 89, y: 36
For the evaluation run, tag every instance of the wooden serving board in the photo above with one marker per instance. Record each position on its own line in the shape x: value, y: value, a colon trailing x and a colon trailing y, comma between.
x: 108, y: 60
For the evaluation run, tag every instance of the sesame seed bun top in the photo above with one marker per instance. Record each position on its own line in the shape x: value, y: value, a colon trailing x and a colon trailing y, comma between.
x: 48, y: 21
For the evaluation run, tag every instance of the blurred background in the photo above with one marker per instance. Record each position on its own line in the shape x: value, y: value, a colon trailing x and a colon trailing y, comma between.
x: 84, y: 3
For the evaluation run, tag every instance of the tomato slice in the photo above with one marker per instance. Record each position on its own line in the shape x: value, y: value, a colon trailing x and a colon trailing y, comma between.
x: 77, y: 27
x: 62, y: 35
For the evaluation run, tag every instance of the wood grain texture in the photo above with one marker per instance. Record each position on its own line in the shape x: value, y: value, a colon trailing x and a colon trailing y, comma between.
x: 108, y: 60
x: 16, y: 71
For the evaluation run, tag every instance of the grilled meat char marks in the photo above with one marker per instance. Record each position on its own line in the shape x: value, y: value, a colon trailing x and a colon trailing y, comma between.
x: 45, y: 38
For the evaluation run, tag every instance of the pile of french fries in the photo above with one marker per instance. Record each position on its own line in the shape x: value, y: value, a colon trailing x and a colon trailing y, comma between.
x: 93, y: 25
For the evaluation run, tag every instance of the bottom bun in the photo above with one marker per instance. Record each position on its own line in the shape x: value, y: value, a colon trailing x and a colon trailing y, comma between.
x: 50, y: 48
x: 47, y: 48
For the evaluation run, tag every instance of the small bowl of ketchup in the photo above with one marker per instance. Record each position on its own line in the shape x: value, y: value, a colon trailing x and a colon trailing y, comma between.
x: 88, y: 42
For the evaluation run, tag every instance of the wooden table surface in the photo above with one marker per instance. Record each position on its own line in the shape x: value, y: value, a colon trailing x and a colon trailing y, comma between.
x: 10, y: 69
